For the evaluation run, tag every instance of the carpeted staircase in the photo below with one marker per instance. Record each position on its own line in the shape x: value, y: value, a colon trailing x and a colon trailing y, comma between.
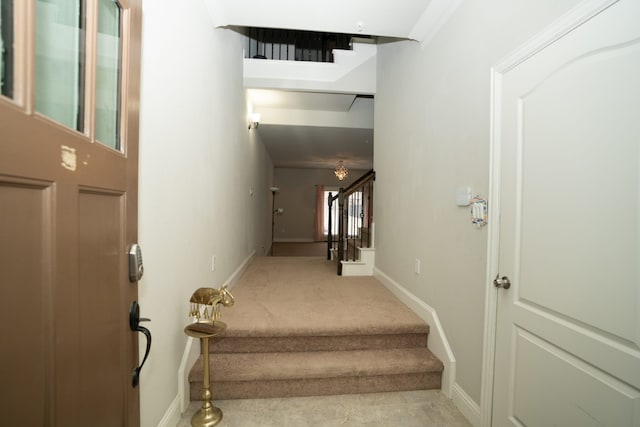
x: 322, y: 335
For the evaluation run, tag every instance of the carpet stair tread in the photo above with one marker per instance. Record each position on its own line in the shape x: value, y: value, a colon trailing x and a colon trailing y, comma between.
x: 326, y: 364
x: 331, y: 328
x: 270, y: 344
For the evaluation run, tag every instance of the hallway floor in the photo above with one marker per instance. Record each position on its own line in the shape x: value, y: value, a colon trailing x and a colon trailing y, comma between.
x: 300, y: 249
x: 422, y: 408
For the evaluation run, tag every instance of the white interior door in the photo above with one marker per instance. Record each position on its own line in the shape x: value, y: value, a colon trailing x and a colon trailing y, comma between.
x: 568, y: 328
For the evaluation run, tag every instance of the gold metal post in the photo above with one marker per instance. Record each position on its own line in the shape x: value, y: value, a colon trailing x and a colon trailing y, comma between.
x: 208, y: 415
x: 205, y: 308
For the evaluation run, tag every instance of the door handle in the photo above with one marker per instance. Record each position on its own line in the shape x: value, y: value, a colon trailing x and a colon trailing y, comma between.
x: 502, y: 282
x: 134, y: 324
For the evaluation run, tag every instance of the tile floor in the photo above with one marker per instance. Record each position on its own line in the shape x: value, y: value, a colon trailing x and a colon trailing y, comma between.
x: 423, y: 408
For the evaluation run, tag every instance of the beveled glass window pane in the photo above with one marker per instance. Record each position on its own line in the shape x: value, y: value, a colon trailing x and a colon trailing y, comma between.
x: 60, y: 61
x: 6, y: 48
x: 108, y: 74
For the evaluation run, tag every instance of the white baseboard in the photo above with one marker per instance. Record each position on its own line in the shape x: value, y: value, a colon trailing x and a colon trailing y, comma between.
x: 192, y: 348
x: 233, y: 279
x: 172, y: 416
x: 294, y: 240
x: 437, y: 342
x: 469, y: 408
x: 189, y: 356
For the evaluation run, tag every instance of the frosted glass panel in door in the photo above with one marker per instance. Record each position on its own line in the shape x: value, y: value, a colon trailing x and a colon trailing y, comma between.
x: 6, y: 48
x: 108, y: 74
x: 60, y: 61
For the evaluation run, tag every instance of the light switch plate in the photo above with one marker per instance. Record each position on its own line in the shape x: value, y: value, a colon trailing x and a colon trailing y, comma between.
x: 463, y: 196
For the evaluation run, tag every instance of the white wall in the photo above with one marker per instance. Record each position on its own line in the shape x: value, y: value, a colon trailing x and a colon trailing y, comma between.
x: 360, y: 115
x: 297, y: 196
x: 198, y: 166
x: 432, y: 135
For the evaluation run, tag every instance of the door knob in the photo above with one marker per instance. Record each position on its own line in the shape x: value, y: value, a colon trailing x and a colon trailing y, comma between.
x: 501, y: 282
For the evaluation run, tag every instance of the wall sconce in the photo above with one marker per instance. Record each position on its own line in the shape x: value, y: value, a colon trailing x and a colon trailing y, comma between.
x: 254, y: 120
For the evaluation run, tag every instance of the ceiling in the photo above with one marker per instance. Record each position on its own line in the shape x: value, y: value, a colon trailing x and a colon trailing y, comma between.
x: 409, y: 19
x: 308, y: 146
x: 317, y: 147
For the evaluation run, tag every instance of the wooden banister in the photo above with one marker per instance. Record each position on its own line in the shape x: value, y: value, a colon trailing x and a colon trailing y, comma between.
x: 354, y: 212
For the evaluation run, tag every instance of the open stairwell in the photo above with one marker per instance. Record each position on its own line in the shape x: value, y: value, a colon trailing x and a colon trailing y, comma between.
x: 297, y: 329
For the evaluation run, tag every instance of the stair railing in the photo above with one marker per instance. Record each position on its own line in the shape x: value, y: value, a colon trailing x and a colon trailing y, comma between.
x: 354, y: 213
x: 294, y: 45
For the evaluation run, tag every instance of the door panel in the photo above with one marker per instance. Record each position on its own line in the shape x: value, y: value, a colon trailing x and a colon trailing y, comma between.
x: 25, y: 299
x: 101, y: 265
x: 567, y: 343
x: 601, y: 86
x: 596, y: 396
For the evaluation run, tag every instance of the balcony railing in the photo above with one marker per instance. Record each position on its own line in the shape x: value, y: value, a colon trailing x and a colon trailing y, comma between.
x: 290, y: 45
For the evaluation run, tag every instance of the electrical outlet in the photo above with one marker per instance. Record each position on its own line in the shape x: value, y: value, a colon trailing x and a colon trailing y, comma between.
x: 416, y: 266
x: 213, y: 263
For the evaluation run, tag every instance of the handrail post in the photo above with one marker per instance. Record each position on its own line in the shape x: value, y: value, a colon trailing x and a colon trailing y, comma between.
x: 368, y: 213
x: 341, y: 229
x: 329, y: 236
x: 361, y: 215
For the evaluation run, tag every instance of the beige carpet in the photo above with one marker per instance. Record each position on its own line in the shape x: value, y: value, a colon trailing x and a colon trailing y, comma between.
x: 298, y: 295
x: 299, y: 329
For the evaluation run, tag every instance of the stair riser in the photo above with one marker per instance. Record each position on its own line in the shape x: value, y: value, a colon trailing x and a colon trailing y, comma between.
x: 318, y: 387
x: 310, y: 343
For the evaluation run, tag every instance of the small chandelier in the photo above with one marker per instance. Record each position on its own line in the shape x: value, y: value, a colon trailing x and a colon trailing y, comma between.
x: 340, y: 171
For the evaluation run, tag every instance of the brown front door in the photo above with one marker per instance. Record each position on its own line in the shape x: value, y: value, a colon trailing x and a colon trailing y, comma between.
x: 68, y: 211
